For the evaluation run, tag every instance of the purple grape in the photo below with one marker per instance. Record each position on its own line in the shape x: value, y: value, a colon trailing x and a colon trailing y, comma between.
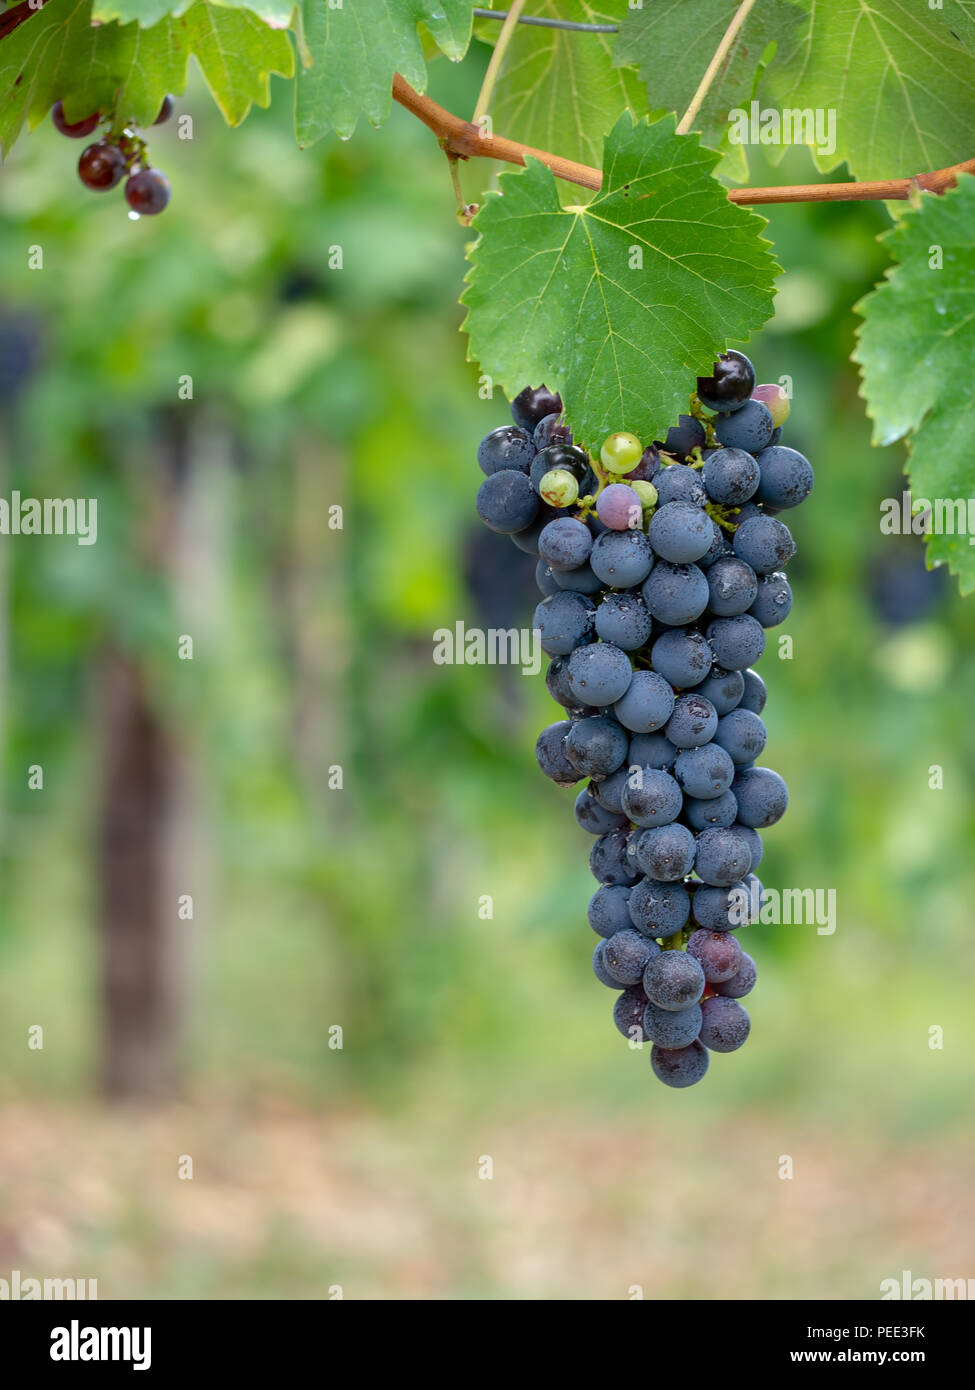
x: 620, y: 508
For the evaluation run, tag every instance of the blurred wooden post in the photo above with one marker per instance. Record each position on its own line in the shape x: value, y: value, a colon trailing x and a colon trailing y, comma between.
x: 141, y: 1008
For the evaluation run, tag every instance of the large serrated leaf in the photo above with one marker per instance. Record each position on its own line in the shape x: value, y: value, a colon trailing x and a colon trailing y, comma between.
x: 896, y: 74
x: 671, y: 43
x: 277, y: 13
x: 353, y: 52
x: 126, y: 71
x: 558, y: 90
x: 916, y: 347
x: 621, y: 303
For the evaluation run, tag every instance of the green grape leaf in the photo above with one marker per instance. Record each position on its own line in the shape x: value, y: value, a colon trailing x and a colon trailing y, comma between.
x: 557, y: 90
x: 671, y: 43
x: 277, y: 13
x: 915, y: 349
x: 237, y: 53
x: 352, y: 52
x: 897, y: 78
x: 618, y: 304
x: 125, y: 71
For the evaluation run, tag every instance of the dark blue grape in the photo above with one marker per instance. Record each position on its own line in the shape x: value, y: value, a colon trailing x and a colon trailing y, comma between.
x: 628, y: 1013
x: 720, y: 545
x: 773, y: 602
x: 749, y: 428
x: 557, y: 683
x: 648, y: 467
x: 507, y: 447
x: 531, y: 405
x: 736, y: 642
x: 670, y: 1028
x: 623, y: 620
x: 682, y: 658
x: 679, y: 1067
x: 721, y: 858
x: 596, y: 746
x: 599, y: 674
x: 607, y: 859
x: 762, y: 797
x: 725, y: 1024
x: 765, y: 543
x: 731, y: 476
x: 651, y: 797
x: 786, y: 477
x: 753, y: 841
x: 679, y: 483
x: 693, y: 721
x: 732, y: 587
x: 723, y: 688
x: 651, y: 750
x: 704, y: 772
x: 579, y: 581
x: 731, y: 383
x: 711, y: 811
x: 550, y: 754
x: 659, y: 909
x: 742, y: 735
x: 622, y: 559
x: 673, y: 980
x: 627, y: 954
x: 593, y: 818
x: 680, y: 532
x: 647, y: 704
x: 720, y: 909
x: 564, y: 543
x: 609, y: 910
x: 506, y: 501
x: 551, y: 430
x: 608, y: 792
x: 545, y: 579
x: 599, y: 967
x: 564, y: 621
x: 684, y: 437
x: 527, y: 540
x: 754, y: 694
x: 665, y: 853
x: 676, y: 594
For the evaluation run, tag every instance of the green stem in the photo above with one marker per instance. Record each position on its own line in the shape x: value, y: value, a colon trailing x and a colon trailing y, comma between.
x: 497, y: 58
x: 721, y: 52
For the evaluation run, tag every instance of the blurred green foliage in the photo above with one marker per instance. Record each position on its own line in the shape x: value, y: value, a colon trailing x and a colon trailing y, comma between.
x: 314, y: 386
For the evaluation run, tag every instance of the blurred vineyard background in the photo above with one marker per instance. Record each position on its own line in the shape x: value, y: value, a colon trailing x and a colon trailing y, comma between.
x: 315, y: 906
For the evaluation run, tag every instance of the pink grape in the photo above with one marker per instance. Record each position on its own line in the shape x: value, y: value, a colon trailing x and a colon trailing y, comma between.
x: 620, y: 508
x: 774, y: 398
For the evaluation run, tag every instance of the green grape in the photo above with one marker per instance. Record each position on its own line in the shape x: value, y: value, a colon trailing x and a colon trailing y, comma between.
x: 620, y: 452
x: 558, y: 488
x: 646, y: 492
x: 774, y: 398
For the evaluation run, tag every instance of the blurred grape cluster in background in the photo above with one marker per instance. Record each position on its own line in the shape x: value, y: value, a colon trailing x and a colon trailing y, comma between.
x: 316, y: 906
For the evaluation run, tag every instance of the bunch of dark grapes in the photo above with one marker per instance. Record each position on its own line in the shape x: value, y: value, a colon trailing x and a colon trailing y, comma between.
x: 661, y: 569
x: 118, y: 155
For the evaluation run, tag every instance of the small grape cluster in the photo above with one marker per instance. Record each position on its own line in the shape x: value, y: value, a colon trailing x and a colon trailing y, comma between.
x: 661, y: 570
x: 119, y: 155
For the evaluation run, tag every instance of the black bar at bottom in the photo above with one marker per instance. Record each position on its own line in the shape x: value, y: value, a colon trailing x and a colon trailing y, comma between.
x: 166, y: 1339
